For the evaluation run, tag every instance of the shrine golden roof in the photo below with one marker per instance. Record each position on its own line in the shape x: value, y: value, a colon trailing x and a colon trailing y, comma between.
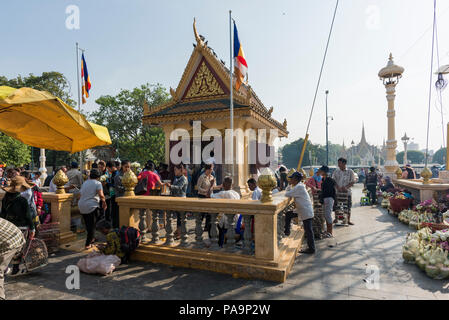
x: 203, y: 93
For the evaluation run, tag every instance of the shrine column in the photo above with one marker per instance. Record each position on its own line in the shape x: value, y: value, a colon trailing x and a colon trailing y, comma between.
x: 167, y: 131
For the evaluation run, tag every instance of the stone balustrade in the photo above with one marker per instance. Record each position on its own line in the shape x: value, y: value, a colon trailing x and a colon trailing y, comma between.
x: 60, y: 212
x: 422, y: 192
x: 264, y: 253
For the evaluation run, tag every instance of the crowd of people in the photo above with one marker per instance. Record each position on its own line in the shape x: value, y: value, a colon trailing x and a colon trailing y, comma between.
x: 96, y: 192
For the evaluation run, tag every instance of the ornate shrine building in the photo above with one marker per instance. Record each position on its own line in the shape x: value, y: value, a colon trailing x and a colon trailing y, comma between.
x: 203, y: 94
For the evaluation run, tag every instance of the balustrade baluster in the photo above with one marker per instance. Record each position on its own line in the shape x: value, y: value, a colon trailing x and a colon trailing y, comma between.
x: 213, y: 229
x: 230, y: 225
x: 247, y: 234
x: 168, y: 228
x: 183, y: 229
x: 283, y: 223
x: 279, y: 225
x: 155, y: 226
x: 143, y: 221
x: 198, y: 228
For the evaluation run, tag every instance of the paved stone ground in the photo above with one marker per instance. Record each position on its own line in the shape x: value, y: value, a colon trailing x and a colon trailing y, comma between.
x: 333, y: 273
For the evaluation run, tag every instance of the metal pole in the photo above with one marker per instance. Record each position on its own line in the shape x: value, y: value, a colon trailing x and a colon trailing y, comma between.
x: 327, y: 133
x: 79, y: 97
x: 231, y: 102
x: 447, y: 149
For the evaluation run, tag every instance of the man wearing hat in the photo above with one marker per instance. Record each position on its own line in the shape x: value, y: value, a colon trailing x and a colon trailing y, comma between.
x: 303, y: 210
x: 15, y: 209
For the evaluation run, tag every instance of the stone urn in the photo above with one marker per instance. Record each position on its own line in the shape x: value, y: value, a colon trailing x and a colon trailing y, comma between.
x: 60, y: 180
x: 267, y: 182
x: 304, y: 174
x: 398, y: 173
x: 129, y: 181
x: 426, y: 174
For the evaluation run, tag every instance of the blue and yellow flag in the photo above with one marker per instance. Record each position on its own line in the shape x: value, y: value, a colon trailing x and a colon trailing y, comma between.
x: 240, y: 65
x: 85, y: 79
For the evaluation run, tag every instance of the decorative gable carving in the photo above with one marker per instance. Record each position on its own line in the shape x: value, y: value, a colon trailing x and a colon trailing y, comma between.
x: 204, y: 83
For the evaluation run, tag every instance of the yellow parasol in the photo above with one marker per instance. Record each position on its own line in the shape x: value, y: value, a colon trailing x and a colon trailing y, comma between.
x: 39, y: 119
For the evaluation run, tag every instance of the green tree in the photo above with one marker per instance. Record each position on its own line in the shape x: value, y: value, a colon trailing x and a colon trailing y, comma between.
x: 56, y: 84
x: 440, y: 156
x: 122, y: 115
x: 13, y: 152
x: 53, y: 82
x: 413, y: 156
x: 314, y: 153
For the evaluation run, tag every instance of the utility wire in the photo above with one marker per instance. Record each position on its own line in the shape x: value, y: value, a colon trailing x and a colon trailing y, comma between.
x: 421, y: 37
x: 322, y: 66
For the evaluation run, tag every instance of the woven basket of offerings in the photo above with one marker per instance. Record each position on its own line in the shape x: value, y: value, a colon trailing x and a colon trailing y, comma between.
x: 397, y: 205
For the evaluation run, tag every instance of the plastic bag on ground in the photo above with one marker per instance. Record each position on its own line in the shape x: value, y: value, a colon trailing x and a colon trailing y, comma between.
x: 99, y: 263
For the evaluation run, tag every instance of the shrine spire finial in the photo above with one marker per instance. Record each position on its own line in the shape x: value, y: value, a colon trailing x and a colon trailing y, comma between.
x: 197, y: 36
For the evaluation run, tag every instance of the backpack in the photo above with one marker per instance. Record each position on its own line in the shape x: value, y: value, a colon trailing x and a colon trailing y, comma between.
x: 129, y: 240
x: 141, y: 187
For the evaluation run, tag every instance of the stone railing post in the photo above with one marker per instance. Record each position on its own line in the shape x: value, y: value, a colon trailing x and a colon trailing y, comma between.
x: 266, y: 226
x: 61, y: 208
x: 129, y: 217
x: 265, y: 237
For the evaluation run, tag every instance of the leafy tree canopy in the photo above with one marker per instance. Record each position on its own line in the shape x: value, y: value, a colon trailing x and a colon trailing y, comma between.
x: 440, y: 156
x: 122, y: 115
x: 413, y: 156
x: 13, y: 153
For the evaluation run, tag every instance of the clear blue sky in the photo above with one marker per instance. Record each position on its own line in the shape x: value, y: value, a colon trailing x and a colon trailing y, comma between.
x: 137, y: 41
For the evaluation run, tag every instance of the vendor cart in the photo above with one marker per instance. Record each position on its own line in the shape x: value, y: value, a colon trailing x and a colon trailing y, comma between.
x: 342, y: 209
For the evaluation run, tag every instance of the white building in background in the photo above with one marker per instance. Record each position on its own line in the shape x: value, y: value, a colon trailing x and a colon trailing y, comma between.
x: 413, y: 146
x: 431, y: 152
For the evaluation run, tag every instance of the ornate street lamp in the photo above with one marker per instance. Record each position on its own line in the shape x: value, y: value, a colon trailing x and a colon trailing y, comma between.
x: 390, y: 76
x: 405, y: 139
x: 352, y: 151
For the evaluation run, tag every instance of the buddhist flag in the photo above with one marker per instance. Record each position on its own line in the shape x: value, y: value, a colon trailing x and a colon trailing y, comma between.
x: 85, y: 79
x: 240, y: 66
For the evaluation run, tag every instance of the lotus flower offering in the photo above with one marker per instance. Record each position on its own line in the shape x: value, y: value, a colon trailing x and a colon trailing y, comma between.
x: 414, y: 218
x: 429, y: 251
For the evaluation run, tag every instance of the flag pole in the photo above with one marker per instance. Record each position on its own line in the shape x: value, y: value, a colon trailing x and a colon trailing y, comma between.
x: 79, y: 95
x: 231, y: 102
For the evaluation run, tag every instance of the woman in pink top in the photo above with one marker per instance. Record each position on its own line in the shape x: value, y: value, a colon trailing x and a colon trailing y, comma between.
x: 314, y: 182
x: 153, y: 179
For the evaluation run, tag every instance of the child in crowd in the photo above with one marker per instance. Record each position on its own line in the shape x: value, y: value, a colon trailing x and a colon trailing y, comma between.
x: 327, y: 197
x: 227, y: 193
x: 113, y: 244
